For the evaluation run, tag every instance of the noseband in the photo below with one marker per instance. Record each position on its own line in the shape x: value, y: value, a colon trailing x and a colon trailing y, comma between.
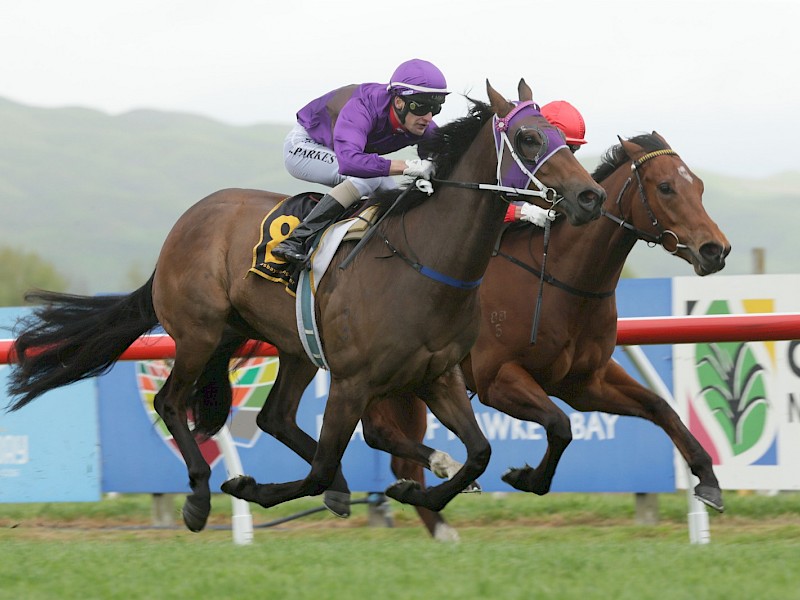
x: 649, y: 238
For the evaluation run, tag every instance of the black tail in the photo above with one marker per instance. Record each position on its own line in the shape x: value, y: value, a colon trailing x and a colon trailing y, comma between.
x: 70, y: 338
x: 211, y: 402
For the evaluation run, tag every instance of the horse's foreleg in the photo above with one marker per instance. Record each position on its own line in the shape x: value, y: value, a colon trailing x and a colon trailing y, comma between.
x: 515, y: 392
x: 616, y: 392
x: 397, y: 425
x: 342, y: 413
x: 447, y: 399
x: 278, y: 418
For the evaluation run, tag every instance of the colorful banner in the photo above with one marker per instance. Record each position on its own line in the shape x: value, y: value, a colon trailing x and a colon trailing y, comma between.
x: 741, y: 400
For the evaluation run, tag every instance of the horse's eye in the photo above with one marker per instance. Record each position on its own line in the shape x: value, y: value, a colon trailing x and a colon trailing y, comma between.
x: 529, y: 144
x: 665, y: 188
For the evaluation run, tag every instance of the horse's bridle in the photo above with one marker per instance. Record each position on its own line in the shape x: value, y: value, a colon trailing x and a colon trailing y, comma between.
x: 649, y: 238
x: 621, y: 221
x: 520, y: 175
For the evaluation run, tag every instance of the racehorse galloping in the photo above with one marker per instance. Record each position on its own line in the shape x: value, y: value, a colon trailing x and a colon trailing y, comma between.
x: 652, y: 195
x: 386, y: 328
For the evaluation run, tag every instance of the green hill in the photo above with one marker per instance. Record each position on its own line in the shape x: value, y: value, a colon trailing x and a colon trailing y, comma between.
x: 96, y: 194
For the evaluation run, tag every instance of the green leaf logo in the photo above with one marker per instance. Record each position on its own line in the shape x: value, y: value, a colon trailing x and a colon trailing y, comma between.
x: 732, y: 386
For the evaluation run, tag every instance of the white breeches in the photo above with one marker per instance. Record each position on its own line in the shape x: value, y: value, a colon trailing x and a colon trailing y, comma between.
x: 307, y: 160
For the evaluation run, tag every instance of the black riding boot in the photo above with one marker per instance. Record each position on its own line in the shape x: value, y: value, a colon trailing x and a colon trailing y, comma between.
x: 293, y: 248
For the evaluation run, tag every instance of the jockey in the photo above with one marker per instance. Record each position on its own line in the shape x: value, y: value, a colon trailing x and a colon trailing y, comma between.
x: 567, y: 118
x: 340, y: 138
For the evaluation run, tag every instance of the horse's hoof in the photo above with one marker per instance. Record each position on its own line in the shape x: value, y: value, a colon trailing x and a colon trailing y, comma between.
x: 402, y: 490
x: 236, y: 487
x: 525, y: 480
x: 195, y: 514
x: 444, y: 533
x: 338, y: 503
x: 710, y: 496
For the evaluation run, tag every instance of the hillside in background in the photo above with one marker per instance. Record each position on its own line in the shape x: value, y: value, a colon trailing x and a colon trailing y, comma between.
x: 96, y: 194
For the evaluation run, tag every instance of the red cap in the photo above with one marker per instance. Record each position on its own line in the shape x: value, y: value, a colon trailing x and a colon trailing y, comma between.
x: 567, y: 118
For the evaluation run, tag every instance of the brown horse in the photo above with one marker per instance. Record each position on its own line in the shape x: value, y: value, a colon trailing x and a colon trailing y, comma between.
x: 651, y: 195
x: 386, y: 328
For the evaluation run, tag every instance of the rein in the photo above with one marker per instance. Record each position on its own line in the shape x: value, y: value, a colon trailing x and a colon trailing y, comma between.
x: 549, y: 279
x: 649, y: 238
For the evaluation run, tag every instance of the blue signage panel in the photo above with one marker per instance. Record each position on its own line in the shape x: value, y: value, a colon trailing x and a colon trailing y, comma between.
x: 49, y: 450
x: 608, y: 453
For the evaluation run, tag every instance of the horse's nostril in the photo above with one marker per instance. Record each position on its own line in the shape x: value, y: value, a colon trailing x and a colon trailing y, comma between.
x: 710, y: 251
x: 591, y: 199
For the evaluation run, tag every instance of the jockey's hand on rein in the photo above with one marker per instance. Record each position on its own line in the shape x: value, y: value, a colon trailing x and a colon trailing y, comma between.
x: 536, y: 215
x: 419, y: 168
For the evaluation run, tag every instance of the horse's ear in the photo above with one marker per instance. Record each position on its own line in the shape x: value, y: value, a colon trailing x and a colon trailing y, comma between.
x: 630, y: 148
x: 658, y: 137
x: 524, y: 91
x: 500, y: 105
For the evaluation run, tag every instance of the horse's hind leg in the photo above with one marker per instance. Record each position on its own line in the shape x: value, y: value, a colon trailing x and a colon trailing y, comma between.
x: 278, y: 418
x: 170, y: 403
x: 447, y: 399
x: 405, y: 419
x: 616, y: 392
x: 343, y: 410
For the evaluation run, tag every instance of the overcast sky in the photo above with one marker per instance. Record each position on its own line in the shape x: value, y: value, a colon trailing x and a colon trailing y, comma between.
x: 718, y: 79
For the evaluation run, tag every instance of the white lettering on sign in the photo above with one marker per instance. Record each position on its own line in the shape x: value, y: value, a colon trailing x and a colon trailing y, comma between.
x: 14, y: 450
x: 588, y: 426
x: 433, y: 425
x: 499, y: 426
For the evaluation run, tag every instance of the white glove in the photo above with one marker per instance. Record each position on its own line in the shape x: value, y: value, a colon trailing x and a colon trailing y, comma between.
x: 534, y: 214
x: 419, y: 168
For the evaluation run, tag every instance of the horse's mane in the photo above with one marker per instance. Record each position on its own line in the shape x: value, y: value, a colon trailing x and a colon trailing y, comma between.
x: 452, y: 140
x: 616, y: 156
x: 446, y: 148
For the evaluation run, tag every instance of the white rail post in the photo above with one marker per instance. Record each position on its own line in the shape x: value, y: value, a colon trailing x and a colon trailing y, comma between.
x: 242, y: 519
x: 699, y: 529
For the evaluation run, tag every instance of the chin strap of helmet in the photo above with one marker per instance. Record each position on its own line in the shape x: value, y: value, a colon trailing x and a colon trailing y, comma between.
x: 402, y: 113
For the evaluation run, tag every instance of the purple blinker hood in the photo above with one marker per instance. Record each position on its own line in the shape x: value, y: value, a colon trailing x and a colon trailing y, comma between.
x: 513, y: 173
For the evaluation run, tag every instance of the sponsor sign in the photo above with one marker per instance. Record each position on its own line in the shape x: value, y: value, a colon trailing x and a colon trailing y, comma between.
x: 741, y: 400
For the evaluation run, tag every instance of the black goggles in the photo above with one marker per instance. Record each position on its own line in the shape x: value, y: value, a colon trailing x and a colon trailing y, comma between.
x: 573, y: 147
x: 421, y: 108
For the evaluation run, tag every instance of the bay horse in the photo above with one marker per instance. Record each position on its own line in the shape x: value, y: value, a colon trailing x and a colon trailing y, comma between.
x: 652, y: 195
x: 385, y: 327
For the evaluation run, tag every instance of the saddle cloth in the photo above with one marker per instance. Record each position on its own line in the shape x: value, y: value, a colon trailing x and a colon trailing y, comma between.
x: 301, y: 283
